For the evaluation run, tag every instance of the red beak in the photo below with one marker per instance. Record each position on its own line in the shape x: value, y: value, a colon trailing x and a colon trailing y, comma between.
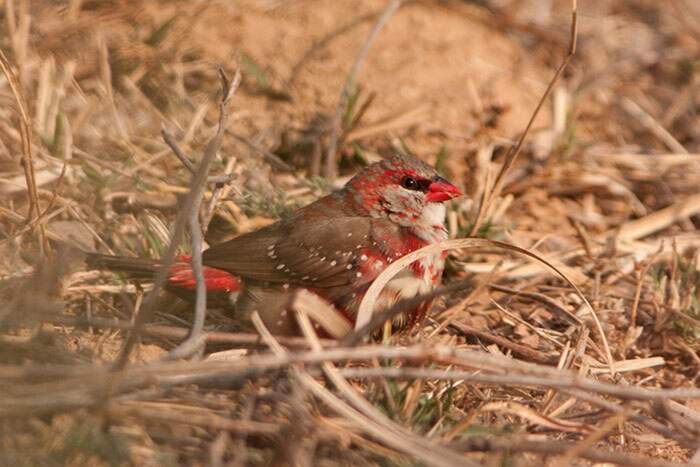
x: 441, y: 190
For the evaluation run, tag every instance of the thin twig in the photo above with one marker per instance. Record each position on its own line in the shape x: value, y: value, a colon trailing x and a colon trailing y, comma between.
x: 169, y: 139
x: 221, y: 189
x: 161, y: 275
x: 529, y: 353
x: 189, y: 417
x: 330, y: 166
x: 548, y: 302
x: 80, y: 386
x: 652, y: 125
x: 386, y: 432
x: 563, y: 380
x: 593, y: 438
x: 195, y: 341
x: 232, y: 339
x: 366, y: 308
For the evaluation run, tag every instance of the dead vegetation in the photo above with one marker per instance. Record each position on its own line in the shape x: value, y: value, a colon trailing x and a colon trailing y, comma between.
x: 512, y: 367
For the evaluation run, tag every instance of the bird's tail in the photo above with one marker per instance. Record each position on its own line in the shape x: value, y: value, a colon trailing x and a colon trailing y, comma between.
x: 134, y: 268
x: 180, y: 276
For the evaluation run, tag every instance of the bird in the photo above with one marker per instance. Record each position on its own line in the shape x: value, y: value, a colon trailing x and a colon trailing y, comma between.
x: 334, y: 247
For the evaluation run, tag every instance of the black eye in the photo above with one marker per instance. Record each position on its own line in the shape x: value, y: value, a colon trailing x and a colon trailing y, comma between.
x: 409, y: 183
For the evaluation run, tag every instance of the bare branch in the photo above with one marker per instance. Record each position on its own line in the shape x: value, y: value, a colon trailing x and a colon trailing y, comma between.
x: 195, y: 341
x: 170, y: 141
x: 183, y: 216
x: 549, y: 379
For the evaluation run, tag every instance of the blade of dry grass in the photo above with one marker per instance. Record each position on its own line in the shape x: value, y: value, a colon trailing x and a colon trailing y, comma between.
x: 25, y: 130
x: 514, y: 152
x: 650, y: 123
x: 366, y: 308
x: 364, y: 414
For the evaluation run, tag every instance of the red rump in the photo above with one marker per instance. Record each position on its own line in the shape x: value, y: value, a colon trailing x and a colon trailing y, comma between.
x: 215, y: 280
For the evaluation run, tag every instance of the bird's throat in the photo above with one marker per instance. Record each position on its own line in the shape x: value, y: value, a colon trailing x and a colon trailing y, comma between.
x: 430, y: 225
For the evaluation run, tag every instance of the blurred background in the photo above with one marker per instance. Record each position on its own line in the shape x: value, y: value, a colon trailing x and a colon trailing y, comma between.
x: 606, y: 186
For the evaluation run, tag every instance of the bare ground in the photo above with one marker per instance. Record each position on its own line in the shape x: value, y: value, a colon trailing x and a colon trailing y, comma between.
x: 606, y: 188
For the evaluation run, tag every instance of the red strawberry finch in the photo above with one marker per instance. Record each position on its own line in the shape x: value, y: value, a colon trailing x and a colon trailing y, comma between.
x: 334, y: 247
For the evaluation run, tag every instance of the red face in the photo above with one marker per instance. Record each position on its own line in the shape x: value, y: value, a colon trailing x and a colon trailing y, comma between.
x: 401, y: 188
x: 436, y: 189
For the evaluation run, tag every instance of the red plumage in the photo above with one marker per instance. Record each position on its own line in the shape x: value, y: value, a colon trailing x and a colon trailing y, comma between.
x: 334, y: 247
x: 215, y: 280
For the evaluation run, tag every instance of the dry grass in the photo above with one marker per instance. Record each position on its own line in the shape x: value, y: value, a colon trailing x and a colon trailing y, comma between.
x: 605, y: 189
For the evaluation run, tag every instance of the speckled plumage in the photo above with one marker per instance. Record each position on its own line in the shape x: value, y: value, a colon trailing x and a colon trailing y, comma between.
x: 336, y: 246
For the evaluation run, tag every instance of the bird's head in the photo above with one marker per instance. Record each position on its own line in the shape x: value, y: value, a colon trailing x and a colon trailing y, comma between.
x: 404, y: 189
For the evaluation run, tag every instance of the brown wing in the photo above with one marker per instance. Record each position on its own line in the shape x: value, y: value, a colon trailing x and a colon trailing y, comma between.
x: 317, y: 253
